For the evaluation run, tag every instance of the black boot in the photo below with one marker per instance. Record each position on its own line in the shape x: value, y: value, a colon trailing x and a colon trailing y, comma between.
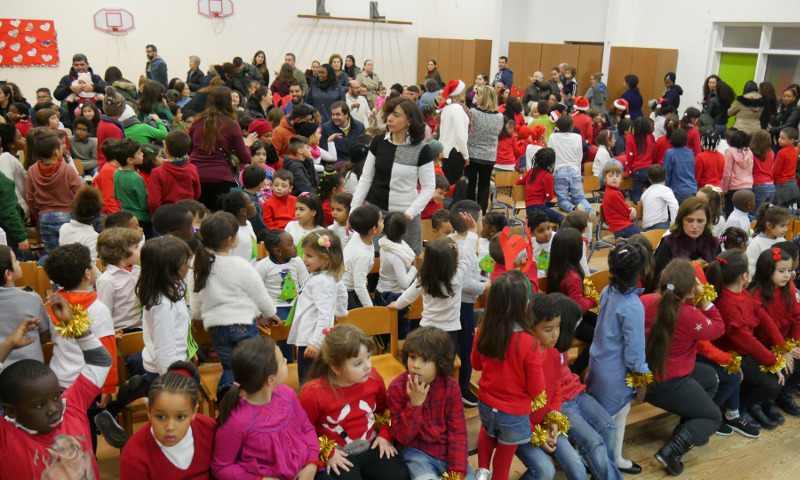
x: 771, y: 411
x: 670, y: 454
x: 758, y: 414
x: 786, y: 403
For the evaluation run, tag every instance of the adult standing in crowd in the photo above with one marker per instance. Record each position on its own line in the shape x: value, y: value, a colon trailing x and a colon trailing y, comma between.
x: 244, y: 74
x: 371, y: 81
x: 787, y: 115
x: 689, y: 236
x: 156, y: 67
x: 539, y: 89
x: 397, y: 162
x: 747, y: 109
x: 673, y: 92
x: 504, y: 74
x: 454, y: 127
x: 433, y: 72
x: 125, y: 87
x: 345, y: 127
x: 487, y: 124
x: 299, y: 76
x: 632, y: 96
x: 283, y: 80
x: 337, y: 64
x: 194, y: 77
x: 358, y: 105
x: 718, y: 97
x: 469, y: 96
x: 325, y: 92
x: 260, y: 62
x: 80, y: 64
x: 216, y: 137
x: 432, y: 90
x: 350, y: 67
x: 770, y: 103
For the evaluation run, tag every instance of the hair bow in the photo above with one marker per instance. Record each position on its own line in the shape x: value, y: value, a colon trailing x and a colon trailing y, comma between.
x: 776, y: 254
x: 326, y: 331
x: 721, y: 260
x: 714, y: 187
x: 305, y: 194
x: 324, y: 241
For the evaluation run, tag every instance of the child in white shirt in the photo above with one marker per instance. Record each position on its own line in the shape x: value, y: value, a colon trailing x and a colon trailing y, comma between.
x: 659, y: 205
x: 310, y: 216
x: 340, y: 209
x: 118, y: 250
x: 359, y: 254
x: 567, y: 181
x: 398, y: 266
x: 743, y: 201
x: 238, y: 204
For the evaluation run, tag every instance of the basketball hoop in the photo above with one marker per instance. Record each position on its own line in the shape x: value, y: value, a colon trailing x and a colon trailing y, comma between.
x: 215, y: 8
x: 114, y: 21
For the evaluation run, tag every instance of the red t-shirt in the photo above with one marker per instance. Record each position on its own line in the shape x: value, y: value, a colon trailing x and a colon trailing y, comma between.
x: 638, y: 160
x: 430, y: 209
x: 762, y: 169
x: 708, y: 168
x: 540, y: 190
x: 785, y: 164
x: 551, y: 367
x: 615, y: 210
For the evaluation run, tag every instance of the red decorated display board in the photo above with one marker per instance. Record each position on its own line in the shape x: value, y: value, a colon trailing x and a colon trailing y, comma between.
x: 28, y: 43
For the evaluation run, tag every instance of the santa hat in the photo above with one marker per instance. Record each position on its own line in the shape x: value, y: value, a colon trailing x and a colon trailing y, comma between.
x: 622, y: 104
x: 661, y: 102
x: 581, y: 104
x: 538, y: 131
x: 524, y: 132
x: 452, y: 89
x: 554, y: 116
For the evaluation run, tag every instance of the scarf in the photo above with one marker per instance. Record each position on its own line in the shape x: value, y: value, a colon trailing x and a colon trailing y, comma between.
x: 76, y: 299
x: 401, y: 249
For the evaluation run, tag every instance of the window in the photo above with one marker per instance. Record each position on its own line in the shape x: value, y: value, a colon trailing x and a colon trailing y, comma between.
x: 741, y: 37
x: 774, y: 47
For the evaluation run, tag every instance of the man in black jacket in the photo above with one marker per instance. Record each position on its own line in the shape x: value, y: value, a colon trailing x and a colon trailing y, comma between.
x: 194, y: 77
x: 346, y: 127
x: 80, y: 64
x: 244, y: 74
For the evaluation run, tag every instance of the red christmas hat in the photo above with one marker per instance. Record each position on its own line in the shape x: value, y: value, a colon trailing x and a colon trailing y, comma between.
x: 524, y: 132
x: 554, y: 116
x: 660, y: 101
x: 581, y: 104
x: 622, y: 104
x: 453, y: 88
x: 538, y: 131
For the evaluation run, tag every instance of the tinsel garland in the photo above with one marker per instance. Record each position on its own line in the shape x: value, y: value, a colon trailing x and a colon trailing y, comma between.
x: 539, y: 402
x: 558, y: 419
x: 451, y: 476
x: 780, y: 364
x: 539, y: 436
x: 384, y: 419
x: 592, y: 292
x: 77, y: 326
x: 736, y: 362
x: 636, y: 380
x: 793, y: 341
x: 781, y: 349
x: 326, y: 447
x: 708, y: 293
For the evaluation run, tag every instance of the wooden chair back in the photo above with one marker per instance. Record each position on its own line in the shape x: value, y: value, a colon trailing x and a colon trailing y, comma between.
x: 129, y: 344
x: 78, y: 166
x: 376, y: 265
x: 375, y: 321
x: 654, y: 236
x: 262, y: 251
x: 518, y: 193
x: 542, y: 281
x: 505, y: 179
x: 591, y: 184
x: 600, y: 279
x: 47, y: 352
x: 34, y: 276
x: 415, y: 309
x: 427, y: 230
x: 587, y: 169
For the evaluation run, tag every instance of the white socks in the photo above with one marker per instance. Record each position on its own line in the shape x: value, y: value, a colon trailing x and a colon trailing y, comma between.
x: 619, y: 420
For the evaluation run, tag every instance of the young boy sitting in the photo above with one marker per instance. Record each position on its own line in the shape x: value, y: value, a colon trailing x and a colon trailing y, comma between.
x: 659, y: 205
x: 541, y: 232
x: 177, y: 178
x: 82, y: 146
x: 784, y: 169
x: 301, y: 164
x: 340, y: 209
x: 118, y: 250
x: 473, y: 287
x: 279, y: 208
x: 86, y: 207
x: 359, y: 254
x: 253, y: 178
x: 42, y: 422
x: 567, y: 180
x: 435, y: 203
x: 429, y: 427
x: 129, y: 186
x: 743, y: 201
x: 618, y: 214
x: 440, y: 224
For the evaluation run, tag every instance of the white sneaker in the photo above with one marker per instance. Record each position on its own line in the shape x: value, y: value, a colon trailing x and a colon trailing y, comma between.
x: 483, y: 474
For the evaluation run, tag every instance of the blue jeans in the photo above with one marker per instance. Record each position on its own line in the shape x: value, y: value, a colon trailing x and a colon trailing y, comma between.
x: 422, y: 466
x: 639, y: 182
x: 552, y: 215
x: 225, y: 338
x: 594, y: 433
x: 286, y: 349
x: 659, y: 226
x: 540, y: 467
x: 627, y: 231
x: 764, y: 193
x: 49, y: 224
x: 508, y: 429
x: 567, y: 182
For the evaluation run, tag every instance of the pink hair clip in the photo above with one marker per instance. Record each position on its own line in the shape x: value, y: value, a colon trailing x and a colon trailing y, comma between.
x: 326, y: 331
x: 324, y: 241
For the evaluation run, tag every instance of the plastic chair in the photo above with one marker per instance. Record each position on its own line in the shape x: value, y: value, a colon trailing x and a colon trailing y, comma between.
x: 654, y: 236
x: 598, y: 239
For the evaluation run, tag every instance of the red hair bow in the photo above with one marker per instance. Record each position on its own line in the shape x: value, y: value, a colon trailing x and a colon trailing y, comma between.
x: 721, y: 260
x: 326, y: 331
x: 776, y: 254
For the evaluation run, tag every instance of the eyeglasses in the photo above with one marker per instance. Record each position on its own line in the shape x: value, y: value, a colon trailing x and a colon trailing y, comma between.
x: 42, y: 97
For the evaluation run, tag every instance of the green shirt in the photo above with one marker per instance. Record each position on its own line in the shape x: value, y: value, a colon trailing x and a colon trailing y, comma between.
x: 130, y: 191
x: 544, y: 120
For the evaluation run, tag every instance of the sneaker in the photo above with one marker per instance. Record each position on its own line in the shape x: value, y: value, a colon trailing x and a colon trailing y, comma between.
x: 483, y: 474
x: 114, y: 434
x: 742, y: 426
x: 469, y: 399
x: 134, y: 388
x: 724, y: 429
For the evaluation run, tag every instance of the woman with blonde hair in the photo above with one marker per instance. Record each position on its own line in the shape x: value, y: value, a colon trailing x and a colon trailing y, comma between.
x: 487, y: 124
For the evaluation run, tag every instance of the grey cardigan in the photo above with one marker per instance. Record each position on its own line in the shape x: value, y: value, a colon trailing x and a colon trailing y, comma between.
x: 482, y: 141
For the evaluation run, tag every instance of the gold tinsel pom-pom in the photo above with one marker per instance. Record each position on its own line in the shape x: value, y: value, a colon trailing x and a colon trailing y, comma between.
x: 708, y: 293
x: 451, y: 476
x: 793, y: 342
x: 326, y: 447
x: 780, y: 364
x: 384, y: 419
x: 636, y: 380
x: 77, y: 326
x: 592, y: 292
x: 733, y: 366
x: 558, y: 419
x: 781, y: 349
x: 539, y: 402
x: 539, y: 436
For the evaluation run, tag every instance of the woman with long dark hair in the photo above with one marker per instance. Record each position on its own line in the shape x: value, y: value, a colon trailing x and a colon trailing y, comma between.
x: 787, y: 115
x: 771, y: 102
x: 260, y: 62
x: 325, y: 92
x: 350, y: 67
x: 216, y: 137
x: 396, y: 163
x: 689, y: 236
x: 717, y: 99
x: 153, y: 101
x: 283, y: 81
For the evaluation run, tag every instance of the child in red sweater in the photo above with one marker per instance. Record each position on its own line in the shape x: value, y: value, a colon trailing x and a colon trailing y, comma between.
x: 435, y: 203
x: 618, y: 214
x: 347, y: 404
x: 662, y: 143
x: 709, y: 165
x: 176, y: 179
x: 279, y: 208
x: 104, y: 181
x: 673, y: 328
x: 639, y: 149
x: 751, y: 333
x: 110, y: 126
x: 772, y: 287
x: 763, y: 163
x: 783, y: 172
x: 509, y: 355
x: 689, y: 122
x: 508, y: 151
x: 172, y: 408
x: 538, y: 183
x: 428, y: 421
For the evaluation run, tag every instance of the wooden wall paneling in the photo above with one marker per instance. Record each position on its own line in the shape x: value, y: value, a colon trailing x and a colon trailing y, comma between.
x: 643, y: 64
x: 445, y: 58
x: 666, y: 61
x: 533, y: 61
x: 456, y: 54
x: 590, y: 61
x: 619, y: 65
x: 468, y: 72
x: 483, y: 57
x: 517, y: 59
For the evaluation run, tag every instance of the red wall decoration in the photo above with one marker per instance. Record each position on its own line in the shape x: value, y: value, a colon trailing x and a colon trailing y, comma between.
x: 28, y: 43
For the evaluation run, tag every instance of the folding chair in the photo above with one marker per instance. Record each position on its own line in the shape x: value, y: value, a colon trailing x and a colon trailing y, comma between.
x: 654, y: 236
x: 598, y: 238
x: 33, y: 276
x: 504, y: 181
x: 587, y: 169
x: 135, y: 412
x: 591, y: 186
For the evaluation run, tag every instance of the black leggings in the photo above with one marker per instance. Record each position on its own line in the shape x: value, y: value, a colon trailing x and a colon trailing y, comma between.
x: 691, y: 398
x: 478, y: 176
x: 369, y: 466
x: 757, y: 387
x: 210, y: 192
x: 453, y: 166
x: 585, y: 333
